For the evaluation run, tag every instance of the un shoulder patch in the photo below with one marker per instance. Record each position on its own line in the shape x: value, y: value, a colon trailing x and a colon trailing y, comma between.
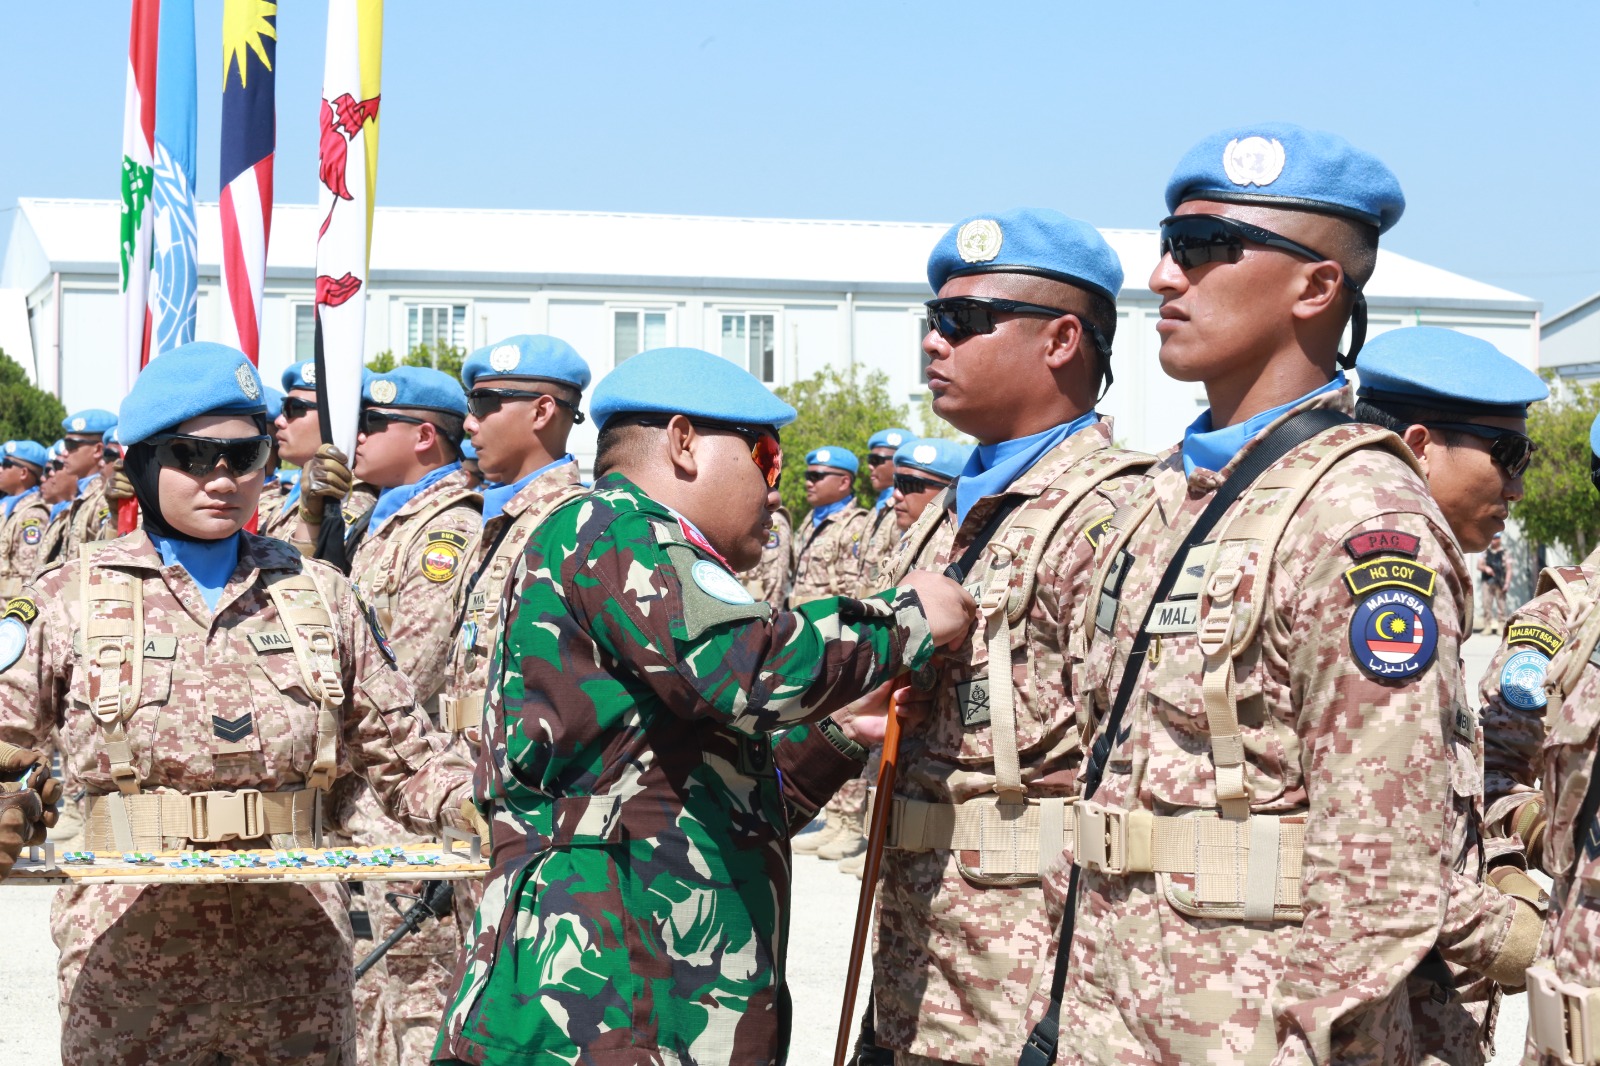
x: 13, y: 641
x: 1522, y: 679
x: 1393, y: 634
x: 717, y: 583
x: 441, y: 555
x: 1535, y: 635
x: 32, y: 533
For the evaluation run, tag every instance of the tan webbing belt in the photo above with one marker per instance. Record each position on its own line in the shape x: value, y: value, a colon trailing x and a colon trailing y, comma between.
x: 111, y: 605
x: 457, y: 713
x: 1563, y: 1018
x: 1010, y: 838
x: 1253, y: 865
x: 162, y: 820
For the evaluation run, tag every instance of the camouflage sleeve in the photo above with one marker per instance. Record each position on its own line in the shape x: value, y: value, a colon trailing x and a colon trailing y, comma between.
x: 1512, y: 699
x: 689, y: 630
x: 1383, y: 791
x: 417, y: 778
x: 29, y: 540
x: 814, y: 761
x: 429, y: 598
x: 33, y: 687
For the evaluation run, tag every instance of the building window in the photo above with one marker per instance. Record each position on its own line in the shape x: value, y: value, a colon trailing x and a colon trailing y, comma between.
x: 751, y: 341
x: 305, y: 332
x: 633, y: 332
x: 431, y: 324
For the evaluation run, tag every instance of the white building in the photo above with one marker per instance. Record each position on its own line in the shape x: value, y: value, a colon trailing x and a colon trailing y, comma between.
x: 1570, y: 342
x: 783, y: 297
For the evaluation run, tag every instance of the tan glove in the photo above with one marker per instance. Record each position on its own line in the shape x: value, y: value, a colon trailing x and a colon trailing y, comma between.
x: 118, y: 486
x: 472, y: 819
x: 28, y: 795
x: 326, y: 475
x: 1529, y: 822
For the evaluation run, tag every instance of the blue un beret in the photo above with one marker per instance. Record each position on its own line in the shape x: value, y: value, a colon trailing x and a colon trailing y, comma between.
x: 28, y: 451
x: 191, y: 380
x: 301, y: 375
x: 528, y: 356
x: 1427, y: 366
x: 415, y: 386
x: 687, y: 381
x: 1279, y: 164
x: 274, y: 401
x: 945, y: 458
x: 1028, y: 240
x: 834, y: 456
x: 90, y: 420
x: 890, y: 438
x: 467, y: 450
x: 57, y: 449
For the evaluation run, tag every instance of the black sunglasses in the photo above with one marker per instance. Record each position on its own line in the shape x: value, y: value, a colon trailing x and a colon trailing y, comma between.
x: 110, y: 453
x: 911, y: 484
x: 1511, y: 451
x: 199, y: 456
x: 486, y: 401
x: 73, y: 445
x: 374, y: 421
x: 955, y: 318
x: 814, y: 476
x: 295, y: 406
x: 876, y: 459
x: 1195, y: 240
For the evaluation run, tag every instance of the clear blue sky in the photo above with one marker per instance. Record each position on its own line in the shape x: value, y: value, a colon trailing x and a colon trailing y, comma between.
x: 1488, y: 111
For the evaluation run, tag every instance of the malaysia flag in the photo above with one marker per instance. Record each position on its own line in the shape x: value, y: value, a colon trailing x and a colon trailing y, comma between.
x: 249, y: 139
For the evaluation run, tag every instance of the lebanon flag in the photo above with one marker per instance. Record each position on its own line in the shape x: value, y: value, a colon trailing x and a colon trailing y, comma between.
x: 138, y: 178
x: 348, y: 171
x: 249, y: 138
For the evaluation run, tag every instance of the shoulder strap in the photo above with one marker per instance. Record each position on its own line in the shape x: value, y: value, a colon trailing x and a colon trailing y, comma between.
x: 919, y: 534
x: 1564, y: 671
x: 111, y: 606
x: 1229, y: 614
x: 1570, y: 580
x: 303, y: 608
x: 391, y: 565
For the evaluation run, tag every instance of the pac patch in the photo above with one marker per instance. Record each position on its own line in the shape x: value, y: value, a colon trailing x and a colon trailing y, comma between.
x: 13, y: 641
x: 1522, y: 679
x: 1393, y: 634
x: 1391, y: 573
x: 22, y: 608
x: 1382, y: 542
x: 32, y: 533
x: 1535, y: 635
x: 717, y: 583
x: 441, y: 555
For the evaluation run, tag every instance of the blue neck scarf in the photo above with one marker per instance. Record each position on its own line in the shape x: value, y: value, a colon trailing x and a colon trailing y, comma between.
x: 210, y: 562
x: 1205, y: 448
x: 12, y: 501
x: 993, y: 467
x: 85, y: 482
x: 495, y: 497
x: 57, y: 508
x: 391, y: 500
x: 885, y: 498
x: 821, y: 514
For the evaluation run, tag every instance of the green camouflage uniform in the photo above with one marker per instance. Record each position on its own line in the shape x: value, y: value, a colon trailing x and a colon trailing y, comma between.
x: 640, y: 808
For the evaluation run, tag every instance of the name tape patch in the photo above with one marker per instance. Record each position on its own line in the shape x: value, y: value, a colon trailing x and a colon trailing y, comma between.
x: 272, y: 640
x: 160, y: 647
x: 1174, y: 616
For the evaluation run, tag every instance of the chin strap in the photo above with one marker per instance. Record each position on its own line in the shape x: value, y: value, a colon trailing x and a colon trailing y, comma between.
x: 1358, y: 331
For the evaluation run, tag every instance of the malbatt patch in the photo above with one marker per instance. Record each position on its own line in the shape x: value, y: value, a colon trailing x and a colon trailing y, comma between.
x: 1382, y: 542
x: 22, y: 608
x: 1391, y: 573
x: 1535, y: 635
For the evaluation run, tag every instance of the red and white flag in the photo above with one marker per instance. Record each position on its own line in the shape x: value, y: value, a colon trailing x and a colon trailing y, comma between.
x: 138, y: 186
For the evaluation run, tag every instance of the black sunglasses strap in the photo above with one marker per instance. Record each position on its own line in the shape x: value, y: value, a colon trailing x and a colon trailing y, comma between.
x: 1040, y: 1050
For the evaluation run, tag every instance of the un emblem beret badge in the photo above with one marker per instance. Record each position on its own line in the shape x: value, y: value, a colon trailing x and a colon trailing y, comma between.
x: 505, y: 358
x: 384, y: 392
x: 247, y: 382
x: 979, y: 241
x: 79, y: 425
x: 1253, y: 161
x: 924, y: 453
x: 309, y: 374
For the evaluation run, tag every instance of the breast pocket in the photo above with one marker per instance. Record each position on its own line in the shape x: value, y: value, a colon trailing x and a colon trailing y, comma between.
x: 83, y: 738
x: 285, y: 712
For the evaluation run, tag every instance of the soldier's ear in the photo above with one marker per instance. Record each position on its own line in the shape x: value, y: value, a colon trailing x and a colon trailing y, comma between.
x: 681, y: 442
x: 1418, y: 440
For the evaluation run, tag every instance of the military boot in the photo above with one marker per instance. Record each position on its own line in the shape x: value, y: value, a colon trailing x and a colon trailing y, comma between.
x: 808, y: 843
x: 855, y: 865
x: 847, y: 842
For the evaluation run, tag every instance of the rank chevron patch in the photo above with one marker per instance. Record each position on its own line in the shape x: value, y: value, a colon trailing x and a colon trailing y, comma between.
x: 233, y: 730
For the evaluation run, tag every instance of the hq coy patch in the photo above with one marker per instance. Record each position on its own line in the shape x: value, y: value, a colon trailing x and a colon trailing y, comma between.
x: 1393, y: 632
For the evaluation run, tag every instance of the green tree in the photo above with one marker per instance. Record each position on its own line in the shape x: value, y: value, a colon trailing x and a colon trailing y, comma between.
x: 1559, y: 505
x: 26, y: 413
x: 834, y: 408
x: 439, y: 355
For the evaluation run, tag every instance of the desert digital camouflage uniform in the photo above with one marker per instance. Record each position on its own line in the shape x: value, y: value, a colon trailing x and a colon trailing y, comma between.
x: 638, y: 906
x: 769, y: 579
x: 411, y: 572
x: 1244, y: 961
x: 170, y: 973
x: 90, y: 517
x: 963, y: 935
x: 21, y: 541
x: 273, y: 494
x: 828, y: 561
x: 55, y: 539
x: 1564, y: 983
x: 1513, y: 734
x: 879, y: 541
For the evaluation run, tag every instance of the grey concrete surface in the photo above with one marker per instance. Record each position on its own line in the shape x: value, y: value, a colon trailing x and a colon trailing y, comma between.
x: 824, y: 910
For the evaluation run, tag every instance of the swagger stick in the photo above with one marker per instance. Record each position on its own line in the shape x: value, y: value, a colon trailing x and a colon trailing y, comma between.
x: 882, y: 807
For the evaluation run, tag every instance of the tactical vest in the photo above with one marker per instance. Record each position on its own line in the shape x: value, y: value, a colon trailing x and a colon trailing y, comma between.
x: 459, y: 710
x: 111, y: 607
x: 1246, y: 867
x: 1014, y: 838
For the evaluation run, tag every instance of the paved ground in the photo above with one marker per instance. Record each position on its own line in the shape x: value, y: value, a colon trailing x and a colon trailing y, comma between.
x: 824, y: 908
